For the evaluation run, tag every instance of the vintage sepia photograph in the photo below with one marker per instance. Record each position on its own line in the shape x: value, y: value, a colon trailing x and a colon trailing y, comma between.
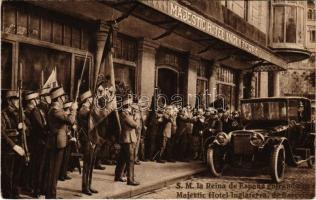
x: 158, y: 99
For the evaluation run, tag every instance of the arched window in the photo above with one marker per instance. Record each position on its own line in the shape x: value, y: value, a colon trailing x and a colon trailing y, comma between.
x: 310, y: 14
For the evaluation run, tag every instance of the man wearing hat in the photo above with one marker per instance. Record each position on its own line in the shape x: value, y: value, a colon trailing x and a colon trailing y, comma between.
x: 45, y: 100
x: 58, y: 120
x: 128, y: 141
x: 88, y: 150
x: 12, y: 152
x: 38, y: 139
x: 70, y: 138
x: 214, y: 124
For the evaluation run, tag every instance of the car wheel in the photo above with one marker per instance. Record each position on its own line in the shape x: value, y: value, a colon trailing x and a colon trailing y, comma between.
x: 215, y: 161
x: 278, y: 164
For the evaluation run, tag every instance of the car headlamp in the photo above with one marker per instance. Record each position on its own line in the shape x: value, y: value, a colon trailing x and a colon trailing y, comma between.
x: 222, y: 138
x: 256, y: 139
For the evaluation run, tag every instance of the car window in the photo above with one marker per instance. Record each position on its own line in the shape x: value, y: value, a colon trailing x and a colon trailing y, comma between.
x: 274, y: 110
x: 293, y: 109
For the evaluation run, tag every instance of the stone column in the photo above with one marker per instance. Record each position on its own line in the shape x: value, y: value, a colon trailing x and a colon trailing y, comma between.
x: 101, y: 36
x: 146, y: 65
x: 241, y: 87
x: 212, y: 84
x: 192, y: 79
x: 276, y: 84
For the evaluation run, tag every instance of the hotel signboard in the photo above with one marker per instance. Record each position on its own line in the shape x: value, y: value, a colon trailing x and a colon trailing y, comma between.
x: 184, y: 14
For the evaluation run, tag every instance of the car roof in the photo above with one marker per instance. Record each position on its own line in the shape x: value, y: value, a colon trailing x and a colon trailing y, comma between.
x: 277, y: 98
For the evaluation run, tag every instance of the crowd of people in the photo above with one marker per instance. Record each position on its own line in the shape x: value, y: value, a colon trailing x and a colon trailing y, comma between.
x: 53, y: 136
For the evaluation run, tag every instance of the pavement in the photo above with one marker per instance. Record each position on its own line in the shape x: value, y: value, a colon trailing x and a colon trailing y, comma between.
x: 151, y: 176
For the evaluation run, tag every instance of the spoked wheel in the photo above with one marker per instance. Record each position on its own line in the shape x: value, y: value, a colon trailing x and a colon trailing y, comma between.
x: 278, y: 164
x: 215, y: 161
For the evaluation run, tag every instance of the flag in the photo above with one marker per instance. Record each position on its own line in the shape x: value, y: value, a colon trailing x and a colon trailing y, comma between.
x: 105, y: 69
x: 52, y: 80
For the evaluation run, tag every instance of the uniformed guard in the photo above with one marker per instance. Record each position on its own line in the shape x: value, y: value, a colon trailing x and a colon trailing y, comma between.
x: 58, y: 120
x: 70, y: 138
x: 128, y: 141
x: 38, y: 136
x: 139, y: 117
x: 87, y: 146
x: 12, y: 150
x: 45, y: 100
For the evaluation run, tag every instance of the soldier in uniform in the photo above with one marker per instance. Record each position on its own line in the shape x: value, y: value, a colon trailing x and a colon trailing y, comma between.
x: 12, y: 152
x: 138, y: 115
x: 45, y: 100
x: 70, y: 138
x: 58, y: 120
x: 128, y: 141
x: 87, y: 147
x: 38, y: 136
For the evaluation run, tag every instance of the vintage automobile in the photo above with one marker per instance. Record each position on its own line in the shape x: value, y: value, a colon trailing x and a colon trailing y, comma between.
x: 277, y: 131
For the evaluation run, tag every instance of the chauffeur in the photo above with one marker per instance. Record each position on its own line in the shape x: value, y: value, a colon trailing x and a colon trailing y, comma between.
x: 58, y: 120
x: 12, y: 151
x: 128, y: 141
x: 38, y: 137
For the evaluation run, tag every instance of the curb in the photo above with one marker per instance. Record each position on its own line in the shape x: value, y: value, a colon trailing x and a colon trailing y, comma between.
x: 154, y: 185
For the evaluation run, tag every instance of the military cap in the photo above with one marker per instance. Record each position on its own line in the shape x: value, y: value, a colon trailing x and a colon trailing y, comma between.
x: 31, y: 95
x: 57, y: 92
x: 44, y: 91
x: 12, y: 94
x: 85, y: 95
x: 67, y: 105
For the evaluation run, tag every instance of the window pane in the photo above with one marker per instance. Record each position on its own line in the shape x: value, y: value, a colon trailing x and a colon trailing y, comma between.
x: 125, y: 75
x: 46, y: 30
x: 6, y: 65
x: 300, y: 28
x: 79, y: 62
x: 278, y: 24
x: 34, y: 27
x: 57, y: 34
x: 67, y: 35
x: 35, y: 59
x: 9, y: 19
x: 76, y: 35
x: 291, y: 24
x: 22, y: 23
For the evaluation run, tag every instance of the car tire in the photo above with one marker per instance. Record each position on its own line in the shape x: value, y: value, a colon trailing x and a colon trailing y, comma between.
x: 278, y: 164
x: 215, y: 161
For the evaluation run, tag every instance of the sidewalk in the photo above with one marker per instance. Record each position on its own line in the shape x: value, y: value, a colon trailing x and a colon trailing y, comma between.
x: 151, y: 175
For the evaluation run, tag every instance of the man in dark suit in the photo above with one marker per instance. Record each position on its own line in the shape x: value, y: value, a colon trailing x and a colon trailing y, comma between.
x: 12, y: 150
x: 38, y: 138
x: 58, y: 120
x: 128, y: 141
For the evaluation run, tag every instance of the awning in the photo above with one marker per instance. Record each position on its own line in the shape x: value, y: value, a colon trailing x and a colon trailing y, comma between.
x: 179, y: 19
